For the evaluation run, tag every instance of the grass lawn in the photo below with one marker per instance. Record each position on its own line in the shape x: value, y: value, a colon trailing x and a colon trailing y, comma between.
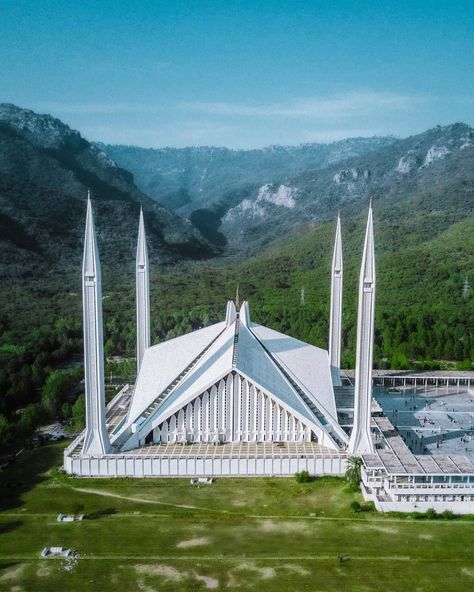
x: 243, y: 534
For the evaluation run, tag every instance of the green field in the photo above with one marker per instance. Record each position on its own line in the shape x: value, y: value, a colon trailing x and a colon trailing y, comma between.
x: 242, y: 534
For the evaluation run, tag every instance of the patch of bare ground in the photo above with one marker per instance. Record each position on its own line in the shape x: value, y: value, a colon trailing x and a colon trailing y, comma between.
x: 296, y: 569
x: 210, y: 583
x: 44, y: 571
x: 13, y: 573
x: 166, y: 571
x: 193, y: 543
x: 285, y: 526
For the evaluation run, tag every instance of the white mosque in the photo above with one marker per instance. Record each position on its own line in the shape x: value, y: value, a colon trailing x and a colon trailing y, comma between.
x: 237, y: 398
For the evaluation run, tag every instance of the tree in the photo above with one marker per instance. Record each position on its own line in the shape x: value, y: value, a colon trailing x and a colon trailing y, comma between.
x: 57, y: 386
x: 79, y: 412
x: 353, y: 470
x: 66, y: 410
x: 30, y: 418
x: 6, y: 431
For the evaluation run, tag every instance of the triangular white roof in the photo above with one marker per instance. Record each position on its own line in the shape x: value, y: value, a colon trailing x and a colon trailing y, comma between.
x: 163, y: 362
x: 176, y: 371
x: 254, y: 363
x: 307, y: 365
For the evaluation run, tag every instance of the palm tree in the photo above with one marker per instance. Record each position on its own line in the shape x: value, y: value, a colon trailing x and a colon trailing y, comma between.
x: 354, y: 465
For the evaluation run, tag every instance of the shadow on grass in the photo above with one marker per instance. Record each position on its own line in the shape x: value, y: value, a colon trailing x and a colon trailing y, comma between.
x: 29, y: 469
x: 5, y: 565
x: 101, y: 513
x: 8, y: 526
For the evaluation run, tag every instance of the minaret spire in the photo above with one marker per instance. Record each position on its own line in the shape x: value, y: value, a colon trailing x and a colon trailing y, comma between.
x: 143, y: 294
x: 335, y: 321
x: 96, y: 440
x: 361, y: 439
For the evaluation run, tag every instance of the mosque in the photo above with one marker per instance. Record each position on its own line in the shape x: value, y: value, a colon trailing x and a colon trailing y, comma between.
x: 240, y: 399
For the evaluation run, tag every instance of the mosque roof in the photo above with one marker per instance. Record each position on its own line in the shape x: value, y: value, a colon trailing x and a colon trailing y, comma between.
x: 174, y: 372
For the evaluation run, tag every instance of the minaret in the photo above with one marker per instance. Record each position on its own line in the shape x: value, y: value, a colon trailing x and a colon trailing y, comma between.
x: 335, y: 320
x: 96, y: 440
x: 143, y: 294
x: 361, y: 439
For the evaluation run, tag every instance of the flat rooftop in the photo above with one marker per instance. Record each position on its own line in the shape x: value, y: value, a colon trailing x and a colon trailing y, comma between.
x: 398, y: 459
x: 419, y: 464
x: 242, y: 450
x: 238, y: 450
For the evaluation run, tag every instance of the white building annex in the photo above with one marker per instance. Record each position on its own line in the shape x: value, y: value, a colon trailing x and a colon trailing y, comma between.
x: 234, y: 398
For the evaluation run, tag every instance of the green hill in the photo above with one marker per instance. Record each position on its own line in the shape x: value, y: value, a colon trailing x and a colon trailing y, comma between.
x: 424, y: 231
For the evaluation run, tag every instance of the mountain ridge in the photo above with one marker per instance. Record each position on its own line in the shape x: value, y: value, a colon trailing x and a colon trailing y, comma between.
x: 440, y: 159
x: 46, y: 169
x: 185, y: 179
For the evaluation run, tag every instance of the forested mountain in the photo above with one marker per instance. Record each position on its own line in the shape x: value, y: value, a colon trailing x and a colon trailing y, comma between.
x: 45, y: 170
x: 282, y: 234
x: 246, y: 199
x: 430, y: 174
x: 186, y: 179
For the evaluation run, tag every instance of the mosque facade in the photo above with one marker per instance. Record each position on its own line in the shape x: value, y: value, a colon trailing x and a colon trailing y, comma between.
x: 237, y: 398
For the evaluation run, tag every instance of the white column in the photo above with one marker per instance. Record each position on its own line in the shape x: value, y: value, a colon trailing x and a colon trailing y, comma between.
x: 181, y: 428
x: 205, y: 417
x: 222, y: 411
x: 173, y: 428
x: 143, y: 294
x: 230, y: 408
x: 271, y: 414
x: 361, y: 440
x: 285, y: 425
x: 238, y: 429
x: 164, y: 432
x: 277, y: 423
x: 189, y: 421
x: 244, y: 410
x: 213, y: 414
x: 335, y: 320
x: 252, y: 414
x: 261, y: 417
x: 198, y: 422
x: 96, y: 440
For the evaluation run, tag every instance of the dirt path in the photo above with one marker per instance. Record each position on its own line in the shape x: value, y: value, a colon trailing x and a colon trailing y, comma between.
x: 139, y: 500
x: 146, y: 501
x: 231, y: 558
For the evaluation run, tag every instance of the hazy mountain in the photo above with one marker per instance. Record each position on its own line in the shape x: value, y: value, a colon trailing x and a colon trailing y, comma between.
x: 430, y: 173
x: 187, y: 179
x: 45, y: 170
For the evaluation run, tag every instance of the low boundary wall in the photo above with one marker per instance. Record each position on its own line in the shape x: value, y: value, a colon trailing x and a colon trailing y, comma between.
x: 157, y: 466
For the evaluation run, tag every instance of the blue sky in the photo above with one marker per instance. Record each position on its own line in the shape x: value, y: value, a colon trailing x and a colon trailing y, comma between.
x: 239, y: 73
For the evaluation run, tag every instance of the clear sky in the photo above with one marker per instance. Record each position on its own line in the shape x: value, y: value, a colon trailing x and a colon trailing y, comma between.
x: 239, y: 73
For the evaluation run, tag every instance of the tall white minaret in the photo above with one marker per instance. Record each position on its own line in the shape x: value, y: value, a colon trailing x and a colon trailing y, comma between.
x: 143, y: 294
x: 96, y: 440
x: 361, y: 440
x: 335, y: 320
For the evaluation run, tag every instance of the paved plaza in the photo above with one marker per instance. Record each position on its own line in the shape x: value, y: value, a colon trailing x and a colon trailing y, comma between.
x: 433, y: 420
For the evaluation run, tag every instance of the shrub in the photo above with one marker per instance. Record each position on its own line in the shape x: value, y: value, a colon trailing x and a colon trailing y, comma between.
x: 417, y: 515
x: 431, y: 514
x: 448, y: 515
x: 355, y: 506
x: 303, y: 477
